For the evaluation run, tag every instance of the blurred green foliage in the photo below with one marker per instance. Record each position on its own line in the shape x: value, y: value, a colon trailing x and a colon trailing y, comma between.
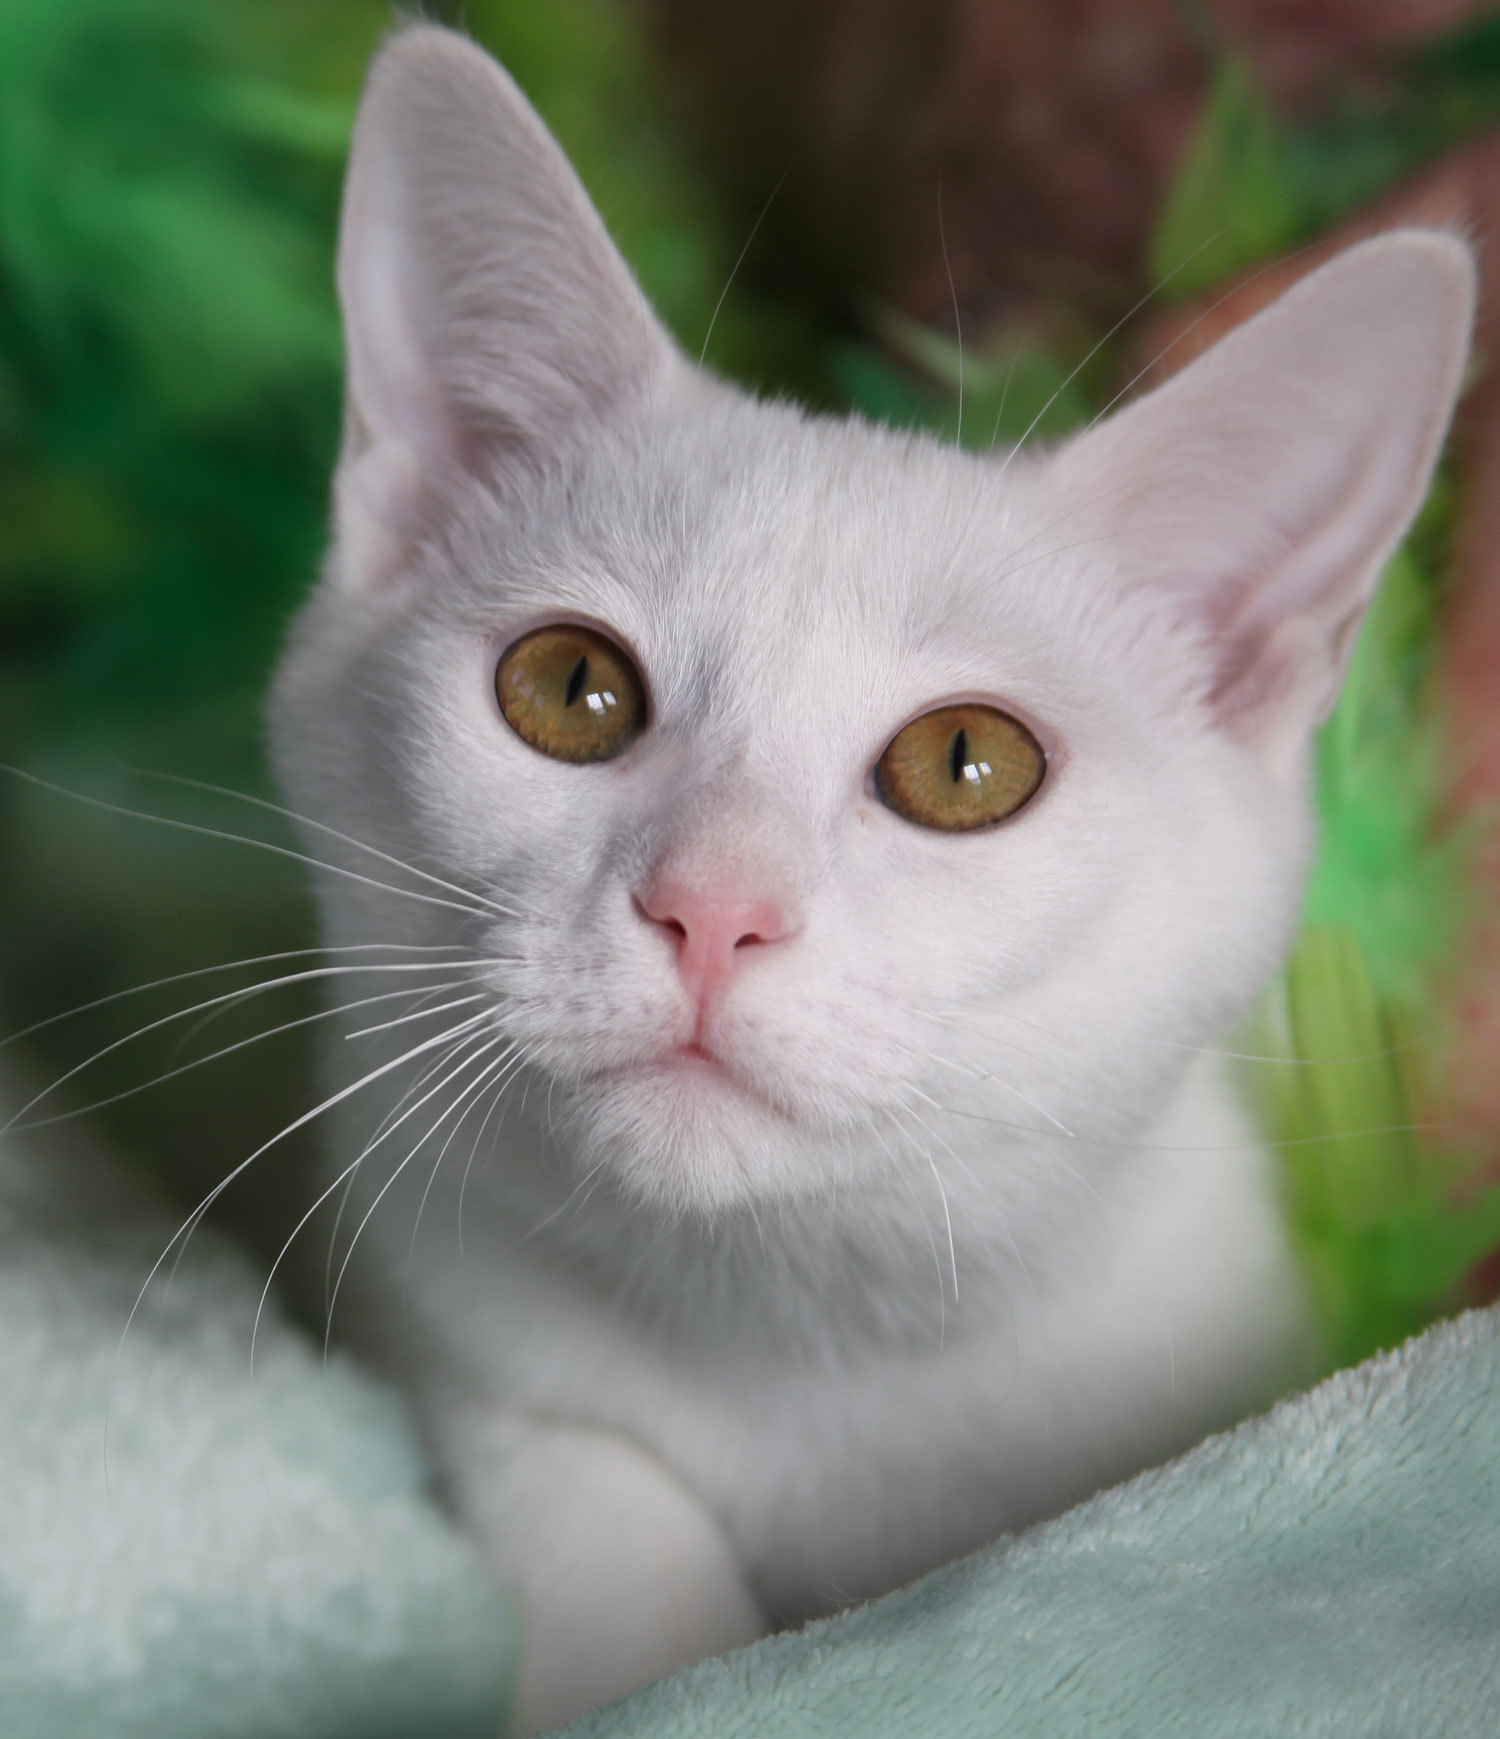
x: 1008, y: 389
x: 168, y: 354
x: 168, y: 400
x: 1390, y: 1216
x: 1252, y: 187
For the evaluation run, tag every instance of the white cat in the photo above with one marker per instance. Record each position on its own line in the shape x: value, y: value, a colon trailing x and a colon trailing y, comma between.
x: 850, y: 851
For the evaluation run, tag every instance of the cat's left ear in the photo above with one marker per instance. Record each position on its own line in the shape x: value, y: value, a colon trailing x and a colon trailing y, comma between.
x: 488, y: 317
x: 1263, y: 487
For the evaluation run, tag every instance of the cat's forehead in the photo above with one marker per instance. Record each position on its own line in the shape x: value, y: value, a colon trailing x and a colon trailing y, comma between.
x: 745, y: 550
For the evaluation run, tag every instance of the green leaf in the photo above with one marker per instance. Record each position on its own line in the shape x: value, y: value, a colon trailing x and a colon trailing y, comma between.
x: 1009, y: 390
x: 1234, y: 201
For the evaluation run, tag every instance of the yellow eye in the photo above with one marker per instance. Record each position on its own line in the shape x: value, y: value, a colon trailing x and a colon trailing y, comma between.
x: 960, y: 767
x: 572, y: 694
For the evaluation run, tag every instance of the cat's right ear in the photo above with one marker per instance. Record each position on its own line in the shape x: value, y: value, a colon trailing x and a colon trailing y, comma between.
x: 1259, y: 492
x: 488, y: 317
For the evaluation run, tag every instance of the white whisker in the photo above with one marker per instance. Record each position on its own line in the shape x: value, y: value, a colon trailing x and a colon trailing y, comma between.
x: 197, y: 1008
x: 958, y: 326
x: 215, y: 1056
x: 495, y: 1099
x: 502, y: 911
x: 473, y: 1057
x: 472, y: 908
x: 568, y: 1201
x: 1192, y: 326
x: 233, y: 966
x: 344, y: 1178
x: 937, y: 1178
x: 1124, y: 320
x: 385, y: 1123
x: 899, y: 1170
x: 997, y: 1216
x: 418, y: 1014
x: 195, y: 1218
x: 1005, y: 1087
x: 734, y: 269
x: 1015, y: 357
x: 471, y: 1093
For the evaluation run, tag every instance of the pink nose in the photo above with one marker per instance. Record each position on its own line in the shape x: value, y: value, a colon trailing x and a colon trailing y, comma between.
x: 712, y: 932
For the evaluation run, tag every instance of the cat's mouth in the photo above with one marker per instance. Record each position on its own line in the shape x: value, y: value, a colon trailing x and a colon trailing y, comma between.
x: 695, y: 1062
x: 694, y: 1059
x: 693, y: 1068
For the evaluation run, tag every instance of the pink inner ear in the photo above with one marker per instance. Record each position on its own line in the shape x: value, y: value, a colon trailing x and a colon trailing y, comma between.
x: 712, y: 930
x: 379, y: 501
x: 1272, y: 687
x: 1263, y: 487
x: 487, y: 314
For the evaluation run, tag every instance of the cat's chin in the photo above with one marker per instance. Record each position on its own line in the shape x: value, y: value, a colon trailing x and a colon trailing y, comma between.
x: 688, y: 1133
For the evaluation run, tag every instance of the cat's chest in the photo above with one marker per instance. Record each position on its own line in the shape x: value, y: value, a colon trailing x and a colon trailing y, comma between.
x: 838, y: 1476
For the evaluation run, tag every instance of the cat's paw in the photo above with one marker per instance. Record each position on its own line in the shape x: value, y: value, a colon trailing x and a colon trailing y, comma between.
x: 622, y: 1574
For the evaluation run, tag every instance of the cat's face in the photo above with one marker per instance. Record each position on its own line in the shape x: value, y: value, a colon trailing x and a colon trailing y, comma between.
x: 748, y: 954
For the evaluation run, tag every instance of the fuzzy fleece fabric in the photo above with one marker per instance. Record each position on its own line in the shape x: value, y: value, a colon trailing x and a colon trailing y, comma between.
x: 189, y: 1549
x: 1330, y: 1569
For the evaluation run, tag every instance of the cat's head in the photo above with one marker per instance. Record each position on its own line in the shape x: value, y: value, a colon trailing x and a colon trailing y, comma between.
x: 833, y: 783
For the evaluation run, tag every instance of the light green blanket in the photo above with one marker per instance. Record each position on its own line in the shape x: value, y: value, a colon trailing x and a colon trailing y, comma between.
x: 258, y: 1558
x: 1331, y: 1569
x: 263, y: 1562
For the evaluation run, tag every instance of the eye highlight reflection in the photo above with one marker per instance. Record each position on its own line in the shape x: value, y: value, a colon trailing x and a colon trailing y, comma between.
x: 571, y: 693
x: 960, y: 767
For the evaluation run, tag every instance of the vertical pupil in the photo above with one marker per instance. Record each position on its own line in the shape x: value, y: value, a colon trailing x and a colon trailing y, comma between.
x: 579, y: 675
x: 958, y: 755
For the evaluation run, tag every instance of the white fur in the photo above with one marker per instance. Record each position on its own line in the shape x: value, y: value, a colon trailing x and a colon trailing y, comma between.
x: 961, y: 1230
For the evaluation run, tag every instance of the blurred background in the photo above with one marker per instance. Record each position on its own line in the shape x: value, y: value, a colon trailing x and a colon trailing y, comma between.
x: 855, y: 202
